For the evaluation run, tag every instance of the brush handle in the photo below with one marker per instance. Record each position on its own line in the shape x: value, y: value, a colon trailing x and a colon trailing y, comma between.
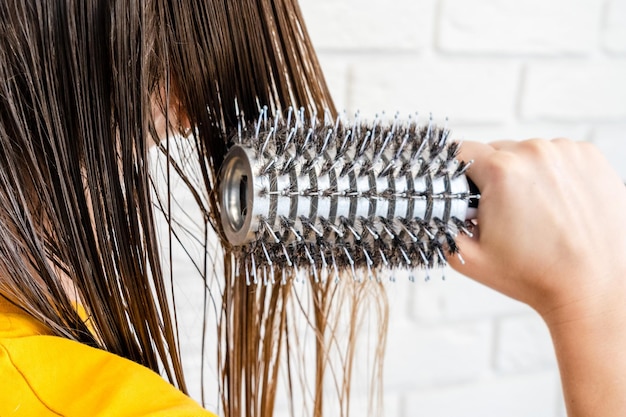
x: 472, y: 203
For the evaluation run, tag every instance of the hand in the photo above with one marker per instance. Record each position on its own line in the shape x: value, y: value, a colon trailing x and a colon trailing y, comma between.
x: 551, y: 232
x: 551, y: 227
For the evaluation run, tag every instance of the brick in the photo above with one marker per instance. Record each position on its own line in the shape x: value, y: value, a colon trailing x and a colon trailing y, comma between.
x: 614, y: 35
x: 331, y: 405
x: 520, y: 396
x: 336, y: 72
x: 523, y: 344
x: 460, y: 298
x: 611, y: 140
x: 426, y: 355
x: 358, y: 400
x: 396, y: 25
x: 401, y: 293
x: 521, y: 131
x: 358, y: 407
x: 465, y: 91
x: 511, y: 27
x: 576, y: 91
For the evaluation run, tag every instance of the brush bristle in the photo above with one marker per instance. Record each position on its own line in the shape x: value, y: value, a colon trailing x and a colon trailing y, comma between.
x: 339, y: 197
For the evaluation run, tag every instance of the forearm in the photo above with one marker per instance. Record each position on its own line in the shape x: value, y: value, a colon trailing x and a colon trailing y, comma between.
x: 590, y: 345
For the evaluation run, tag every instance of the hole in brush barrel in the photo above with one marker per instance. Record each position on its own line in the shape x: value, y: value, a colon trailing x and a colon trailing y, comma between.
x: 235, y: 194
x: 240, y: 207
x: 243, y: 195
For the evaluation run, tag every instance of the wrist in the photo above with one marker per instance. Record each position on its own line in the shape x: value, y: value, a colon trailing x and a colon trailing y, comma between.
x: 588, y: 298
x: 589, y: 340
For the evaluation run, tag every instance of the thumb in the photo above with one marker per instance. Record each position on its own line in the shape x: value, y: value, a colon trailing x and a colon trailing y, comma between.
x: 469, y: 259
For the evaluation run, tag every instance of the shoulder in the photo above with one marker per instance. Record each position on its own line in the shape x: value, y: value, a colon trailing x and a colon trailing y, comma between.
x: 49, y: 375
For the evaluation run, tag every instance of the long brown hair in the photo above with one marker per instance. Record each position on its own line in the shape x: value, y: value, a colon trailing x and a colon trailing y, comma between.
x: 78, y: 83
x: 75, y: 117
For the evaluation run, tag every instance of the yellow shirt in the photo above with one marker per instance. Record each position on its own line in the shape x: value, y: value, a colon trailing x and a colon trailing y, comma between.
x: 44, y: 375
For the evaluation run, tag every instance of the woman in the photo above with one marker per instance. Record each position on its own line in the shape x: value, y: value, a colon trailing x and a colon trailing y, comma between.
x: 87, y: 87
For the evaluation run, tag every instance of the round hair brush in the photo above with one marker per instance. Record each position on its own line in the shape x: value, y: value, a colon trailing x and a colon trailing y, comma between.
x: 336, y: 197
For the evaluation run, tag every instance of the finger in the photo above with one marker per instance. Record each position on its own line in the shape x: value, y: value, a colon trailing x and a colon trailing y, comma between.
x: 477, y: 153
x: 503, y: 145
x: 469, y: 260
x: 470, y: 150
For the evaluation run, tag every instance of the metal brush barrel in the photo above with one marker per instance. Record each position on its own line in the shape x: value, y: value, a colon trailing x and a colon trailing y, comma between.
x: 252, y: 200
x: 335, y: 195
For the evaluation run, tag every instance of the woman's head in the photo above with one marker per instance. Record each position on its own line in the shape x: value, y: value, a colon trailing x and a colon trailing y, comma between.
x: 75, y: 121
x: 79, y: 82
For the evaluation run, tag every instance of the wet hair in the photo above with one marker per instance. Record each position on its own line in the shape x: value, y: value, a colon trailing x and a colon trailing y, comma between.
x: 78, y: 84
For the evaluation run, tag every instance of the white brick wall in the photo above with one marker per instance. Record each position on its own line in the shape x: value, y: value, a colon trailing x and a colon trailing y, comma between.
x: 498, y: 69
x: 575, y: 91
x: 512, y: 27
x: 463, y: 90
x: 614, y: 33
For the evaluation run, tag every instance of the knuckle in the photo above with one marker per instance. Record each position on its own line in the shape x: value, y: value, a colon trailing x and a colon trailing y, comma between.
x: 563, y: 142
x: 589, y: 148
x: 501, y: 165
x: 537, y: 148
x: 575, y: 150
